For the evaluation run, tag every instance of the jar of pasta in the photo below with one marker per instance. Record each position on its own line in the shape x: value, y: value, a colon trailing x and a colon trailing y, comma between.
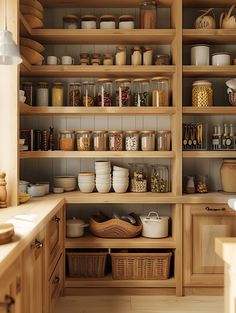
x: 74, y: 94
x: 202, y: 93
x: 147, y: 140
x: 57, y: 94
x: 83, y: 140
x: 123, y: 92
x: 138, y: 177
x: 100, y: 140
x: 141, y: 95
x: 132, y: 140
x: 88, y: 94
x: 66, y: 140
x: 163, y: 140
x: 115, y: 140
x: 104, y: 95
x: 160, y: 91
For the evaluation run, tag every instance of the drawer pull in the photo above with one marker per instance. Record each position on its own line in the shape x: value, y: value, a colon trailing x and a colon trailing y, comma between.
x: 215, y: 209
x: 8, y: 302
x: 56, y: 219
x: 56, y: 280
x: 37, y: 244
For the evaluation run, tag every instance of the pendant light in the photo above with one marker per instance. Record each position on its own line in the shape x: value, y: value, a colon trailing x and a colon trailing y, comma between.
x: 9, y: 51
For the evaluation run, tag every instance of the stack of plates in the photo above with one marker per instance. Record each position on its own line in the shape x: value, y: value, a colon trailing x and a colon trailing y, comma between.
x: 31, y: 50
x: 68, y: 183
x: 32, y: 11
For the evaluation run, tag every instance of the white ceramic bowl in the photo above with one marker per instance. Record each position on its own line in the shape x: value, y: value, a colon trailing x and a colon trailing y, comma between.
x: 117, y: 168
x: 36, y: 190
x: 102, y: 163
x: 68, y: 183
x: 21, y: 93
x: 46, y: 186
x: 103, y: 188
x: 120, y: 174
x: 120, y: 188
x: 84, y: 187
x: 103, y: 172
x: 58, y: 190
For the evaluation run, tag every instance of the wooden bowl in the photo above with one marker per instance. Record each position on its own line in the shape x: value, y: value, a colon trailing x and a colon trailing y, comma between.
x: 31, y: 55
x: 33, y: 21
x: 6, y: 232
x: 27, y: 42
x: 27, y: 9
x: 33, y: 3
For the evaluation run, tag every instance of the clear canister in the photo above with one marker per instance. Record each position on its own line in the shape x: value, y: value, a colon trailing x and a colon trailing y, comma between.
x: 28, y: 88
x: 120, y: 55
x: 138, y: 177
x: 136, y: 56
x: 148, y: 14
x: 83, y: 140
x: 132, y: 140
x: 104, y: 95
x: 100, y: 140
x: 84, y: 59
x: 108, y: 59
x: 57, y: 94
x: 147, y: 140
x: 147, y: 55
x: 159, y: 179
x: 163, y: 140
x: 74, y: 94
x: 160, y: 91
x: 202, y: 93
x: 202, y: 182
x: 141, y: 92
x: 115, y: 140
x: 162, y: 59
x: 42, y: 95
x: 66, y: 140
x: 96, y: 59
x: 88, y: 94
x: 123, y: 92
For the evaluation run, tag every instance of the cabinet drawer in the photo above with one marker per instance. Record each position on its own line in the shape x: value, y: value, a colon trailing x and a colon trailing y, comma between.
x: 55, y: 284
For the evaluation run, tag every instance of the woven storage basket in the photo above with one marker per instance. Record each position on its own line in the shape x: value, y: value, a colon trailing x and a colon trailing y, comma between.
x: 86, y: 264
x: 141, y: 265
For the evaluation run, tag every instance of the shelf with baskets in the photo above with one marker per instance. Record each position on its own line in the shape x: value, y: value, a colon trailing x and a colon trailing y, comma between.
x: 211, y: 36
x: 209, y: 71
x: 213, y: 110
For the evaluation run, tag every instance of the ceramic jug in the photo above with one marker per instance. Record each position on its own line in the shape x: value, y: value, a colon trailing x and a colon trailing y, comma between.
x: 228, y: 21
x: 205, y: 20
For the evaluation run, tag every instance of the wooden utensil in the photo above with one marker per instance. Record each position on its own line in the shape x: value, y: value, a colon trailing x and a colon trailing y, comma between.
x: 27, y: 42
x: 33, y: 3
x: 33, y: 21
x: 31, y: 55
x: 29, y: 10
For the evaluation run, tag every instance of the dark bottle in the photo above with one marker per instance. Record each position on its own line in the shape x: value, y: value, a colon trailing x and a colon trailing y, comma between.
x: 51, y: 140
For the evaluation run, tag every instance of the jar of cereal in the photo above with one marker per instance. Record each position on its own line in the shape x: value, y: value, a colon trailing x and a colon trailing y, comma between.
x: 66, y: 140
x: 100, y: 140
x: 83, y: 140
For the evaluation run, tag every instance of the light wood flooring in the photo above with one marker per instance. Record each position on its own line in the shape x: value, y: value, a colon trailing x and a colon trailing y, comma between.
x: 140, y: 304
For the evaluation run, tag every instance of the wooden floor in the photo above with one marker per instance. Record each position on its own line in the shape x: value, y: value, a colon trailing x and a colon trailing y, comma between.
x: 140, y: 304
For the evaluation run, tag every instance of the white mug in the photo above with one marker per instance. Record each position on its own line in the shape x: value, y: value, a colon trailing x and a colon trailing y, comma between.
x: 53, y: 60
x: 200, y: 55
x: 67, y: 60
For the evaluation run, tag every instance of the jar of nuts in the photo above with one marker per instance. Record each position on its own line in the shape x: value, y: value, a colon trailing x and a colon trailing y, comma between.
x: 88, y: 94
x: 132, y: 140
x: 138, y: 177
x: 115, y: 140
x: 159, y: 179
x: 100, y: 140
x: 83, y: 140
x: 104, y: 95
x: 74, y: 94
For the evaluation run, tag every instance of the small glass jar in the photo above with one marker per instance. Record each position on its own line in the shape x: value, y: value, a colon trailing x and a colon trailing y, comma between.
x: 148, y: 15
x: 42, y: 95
x: 123, y: 92
x: 74, y: 94
x: 160, y: 91
x: 57, y: 94
x: 83, y: 140
x: 138, y: 177
x: 108, y: 59
x: 162, y: 59
x: 163, y: 140
x: 66, y: 140
x: 190, y: 185
x: 126, y: 22
x: 96, y: 59
x: 201, y: 185
x: 84, y: 59
x: 136, y: 56
x: 88, y: 94
x: 159, y: 179
x: 147, y: 140
x: 107, y: 22
x: 104, y: 95
x: 132, y: 140
x: 70, y: 22
x: 100, y: 140
x: 141, y: 92
x: 28, y: 88
x: 121, y: 55
x: 115, y: 140
x: 202, y: 93
x: 88, y: 22
x: 147, y: 55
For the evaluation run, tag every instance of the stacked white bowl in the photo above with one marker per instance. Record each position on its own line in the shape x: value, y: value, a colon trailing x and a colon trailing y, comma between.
x: 120, y: 180
x: 22, y: 97
x: 103, y: 176
x: 68, y: 183
x: 86, y: 181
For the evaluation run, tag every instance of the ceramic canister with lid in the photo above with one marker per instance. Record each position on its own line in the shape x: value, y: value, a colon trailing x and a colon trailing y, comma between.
x: 200, y: 55
x: 88, y: 22
x: 228, y: 175
x: 107, y: 22
x: 126, y: 22
x: 75, y: 227
x: 221, y: 59
x: 154, y: 226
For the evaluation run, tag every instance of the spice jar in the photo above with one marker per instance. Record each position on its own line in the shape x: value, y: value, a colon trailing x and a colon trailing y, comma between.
x: 104, y: 95
x: 28, y: 88
x: 66, y: 140
x: 88, y: 94
x: 88, y: 22
x: 147, y: 140
x: 83, y: 140
x: 121, y: 55
x: 100, y: 140
x: 42, y: 94
x: 123, y: 92
x: 163, y: 140
x: 96, y: 59
x: 74, y: 94
x: 202, y: 93
x: 147, y: 55
x: 57, y: 94
x: 141, y: 92
x: 138, y: 177
x: 84, y: 59
x: 148, y: 14
x: 202, y: 184
x: 132, y: 140
x: 159, y: 178
x: 162, y: 59
x: 70, y: 22
x: 107, y: 22
x: 108, y: 59
x: 115, y: 140
x: 160, y: 91
x: 126, y: 22
x: 136, y: 56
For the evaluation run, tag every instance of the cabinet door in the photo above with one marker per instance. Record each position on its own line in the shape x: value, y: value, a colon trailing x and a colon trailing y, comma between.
x: 202, y: 224
x: 55, y: 284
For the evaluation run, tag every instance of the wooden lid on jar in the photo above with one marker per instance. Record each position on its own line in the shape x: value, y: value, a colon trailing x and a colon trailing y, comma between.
x: 132, y: 132
x: 83, y: 131
x: 115, y: 132
x: 99, y: 132
x: 123, y: 80
x: 147, y: 132
x: 163, y: 132
x: 126, y: 18
x: 70, y: 18
x: 104, y: 80
x: 86, y: 174
x: 107, y: 18
x: 160, y: 78
x: 141, y: 80
x: 88, y: 18
x: 202, y: 83
x: 66, y: 132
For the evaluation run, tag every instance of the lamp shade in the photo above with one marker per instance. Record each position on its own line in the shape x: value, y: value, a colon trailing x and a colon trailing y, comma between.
x: 9, y: 51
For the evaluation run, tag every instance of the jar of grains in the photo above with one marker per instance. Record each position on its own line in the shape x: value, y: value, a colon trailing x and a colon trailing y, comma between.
x: 57, y: 94
x: 159, y: 178
x: 115, y: 140
x: 104, y: 95
x: 148, y: 14
x: 100, y: 140
x: 163, y: 140
x: 123, y: 92
x: 108, y: 59
x: 132, y: 140
x: 141, y: 95
x: 88, y: 94
x: 147, y: 55
x: 202, y: 93
x: 136, y: 56
x: 107, y: 22
x: 74, y: 94
x: 138, y: 177
x: 96, y: 59
x: 160, y: 91
x: 66, y: 140
x: 147, y: 140
x: 70, y: 22
x: 42, y: 94
x: 162, y: 59
x: 126, y: 22
x: 83, y: 140
x: 88, y: 22
x: 28, y: 88
x: 121, y: 55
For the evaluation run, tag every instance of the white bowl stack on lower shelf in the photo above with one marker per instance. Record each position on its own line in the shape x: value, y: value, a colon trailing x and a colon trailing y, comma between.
x: 120, y: 180
x: 103, y: 176
x: 86, y: 182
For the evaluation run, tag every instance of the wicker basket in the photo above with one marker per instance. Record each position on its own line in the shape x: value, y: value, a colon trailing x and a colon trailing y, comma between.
x: 141, y: 265
x: 87, y: 264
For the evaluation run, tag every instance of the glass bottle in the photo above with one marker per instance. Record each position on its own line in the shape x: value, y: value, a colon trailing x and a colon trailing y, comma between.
x: 160, y: 91
x: 74, y: 94
x: 226, y: 140
x: 123, y: 92
x: 215, y: 139
x: 42, y: 95
x: 51, y: 139
x: 163, y: 140
x: 57, y: 94
x: 88, y: 94
x: 148, y: 14
x: 104, y: 95
x: 141, y: 94
x: 83, y: 140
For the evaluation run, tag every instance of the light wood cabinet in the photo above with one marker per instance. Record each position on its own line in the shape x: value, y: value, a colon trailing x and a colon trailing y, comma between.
x: 56, y: 282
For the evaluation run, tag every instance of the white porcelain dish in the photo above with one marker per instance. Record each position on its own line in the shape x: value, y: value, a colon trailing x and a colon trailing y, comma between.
x: 36, y: 190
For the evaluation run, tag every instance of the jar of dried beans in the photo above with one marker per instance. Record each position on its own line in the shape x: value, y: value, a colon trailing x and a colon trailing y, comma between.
x: 160, y: 91
x: 147, y: 140
x: 88, y: 94
x: 138, y: 177
x: 104, y: 95
x: 66, y: 140
x: 132, y: 140
x: 123, y: 92
x: 159, y: 178
x: 83, y: 140
x: 163, y: 140
x: 74, y: 94
x: 100, y: 140
x: 141, y: 93
x: 115, y: 140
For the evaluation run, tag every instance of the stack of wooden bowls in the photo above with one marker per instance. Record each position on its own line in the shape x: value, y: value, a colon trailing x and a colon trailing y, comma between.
x: 32, y: 10
x: 31, y: 50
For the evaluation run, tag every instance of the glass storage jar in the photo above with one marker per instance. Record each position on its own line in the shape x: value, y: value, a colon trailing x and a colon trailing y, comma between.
x: 162, y: 59
x: 190, y: 185
x: 132, y: 140
x: 88, y: 94
x: 163, y: 140
x: 141, y: 94
x: 115, y: 140
x: 100, y: 140
x: 108, y: 59
x: 28, y: 88
x: 159, y: 179
x: 123, y: 92
x: 74, y: 94
x: 120, y: 55
x: 88, y: 22
x: 83, y: 140
x: 147, y: 55
x: 42, y: 94
x: 66, y: 140
x: 107, y: 22
x: 202, y: 182
x: 160, y: 91
x: 57, y: 94
x: 147, y: 140
x: 96, y: 59
x: 70, y: 21
x: 148, y: 14
x: 136, y: 56
x: 202, y: 93
x: 126, y: 22
x: 104, y: 95
x: 84, y: 59
x: 138, y: 177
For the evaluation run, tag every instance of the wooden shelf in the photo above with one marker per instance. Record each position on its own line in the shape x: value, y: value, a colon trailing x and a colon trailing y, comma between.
x: 209, y: 154
x: 210, y: 197
x: 211, y: 36
x: 206, y: 3
x: 209, y: 71
x: 214, y: 110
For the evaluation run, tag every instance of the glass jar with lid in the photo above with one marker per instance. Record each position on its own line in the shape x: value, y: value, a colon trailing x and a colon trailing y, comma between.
x: 147, y: 140
x: 74, y: 94
x: 131, y: 140
x: 159, y: 179
x: 88, y: 94
x: 147, y: 55
x: 84, y: 59
x: 107, y: 22
x: 160, y: 91
x: 100, y: 140
x: 66, y: 140
x: 123, y: 92
x: 138, y: 177
x: 148, y: 15
x: 104, y: 95
x: 83, y: 140
x: 57, y: 94
x: 163, y: 140
x: 162, y: 59
x: 201, y: 183
x: 126, y: 22
x: 42, y: 94
x: 28, y: 88
x: 88, y: 22
x: 202, y: 93
x: 108, y: 59
x: 120, y: 55
x: 141, y: 92
x: 136, y: 56
x: 96, y: 59
x: 70, y: 21
x: 115, y: 140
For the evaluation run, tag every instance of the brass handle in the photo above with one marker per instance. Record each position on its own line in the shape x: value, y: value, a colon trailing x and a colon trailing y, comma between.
x: 37, y: 244
x: 215, y: 209
x: 56, y: 280
x: 8, y: 302
x: 56, y: 219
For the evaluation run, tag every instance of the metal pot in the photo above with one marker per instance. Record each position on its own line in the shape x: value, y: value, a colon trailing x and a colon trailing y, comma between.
x: 75, y: 227
x: 154, y: 226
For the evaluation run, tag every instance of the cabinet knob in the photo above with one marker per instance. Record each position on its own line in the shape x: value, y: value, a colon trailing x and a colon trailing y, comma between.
x: 56, y: 219
x: 56, y: 280
x: 37, y: 244
x: 215, y: 209
x: 8, y: 302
